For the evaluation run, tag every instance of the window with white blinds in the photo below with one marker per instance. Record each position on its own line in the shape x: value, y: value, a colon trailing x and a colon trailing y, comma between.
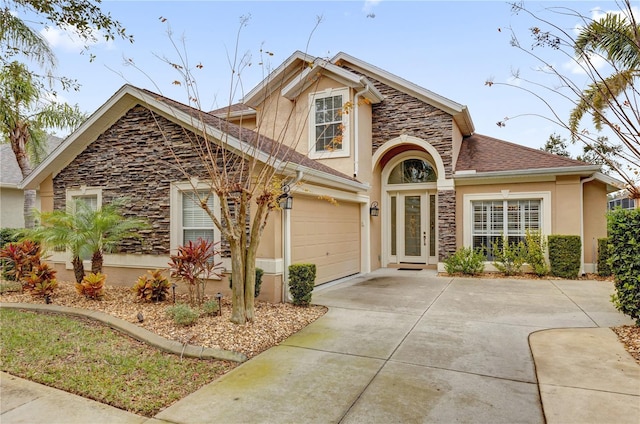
x: 495, y: 219
x: 196, y: 223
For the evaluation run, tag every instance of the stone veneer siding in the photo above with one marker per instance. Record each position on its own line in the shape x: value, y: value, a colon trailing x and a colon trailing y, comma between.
x: 400, y: 113
x: 132, y: 159
x: 446, y: 223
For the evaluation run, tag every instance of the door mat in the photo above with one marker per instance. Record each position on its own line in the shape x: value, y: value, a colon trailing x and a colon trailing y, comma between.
x: 409, y: 269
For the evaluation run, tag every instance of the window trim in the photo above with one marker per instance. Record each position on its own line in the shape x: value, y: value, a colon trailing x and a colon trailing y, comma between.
x: 84, y: 191
x: 176, y: 232
x: 346, y: 135
x: 505, y: 195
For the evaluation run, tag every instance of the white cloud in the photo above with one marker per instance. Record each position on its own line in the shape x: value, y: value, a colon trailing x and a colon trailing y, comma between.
x: 68, y: 39
x: 369, y: 5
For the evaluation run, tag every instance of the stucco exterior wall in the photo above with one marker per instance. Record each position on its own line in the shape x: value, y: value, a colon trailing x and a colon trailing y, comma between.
x: 595, y: 224
x: 11, y: 208
x: 566, y: 208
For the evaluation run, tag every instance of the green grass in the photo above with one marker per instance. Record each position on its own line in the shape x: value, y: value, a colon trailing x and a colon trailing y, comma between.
x: 94, y: 361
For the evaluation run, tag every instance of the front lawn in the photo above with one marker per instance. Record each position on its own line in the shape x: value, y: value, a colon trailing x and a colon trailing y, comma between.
x: 94, y: 361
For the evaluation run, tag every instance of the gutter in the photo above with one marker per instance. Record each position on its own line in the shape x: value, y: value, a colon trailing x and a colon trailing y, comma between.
x: 356, y: 155
x: 568, y: 170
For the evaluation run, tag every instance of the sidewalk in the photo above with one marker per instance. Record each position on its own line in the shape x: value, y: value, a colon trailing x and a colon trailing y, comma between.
x: 404, y: 346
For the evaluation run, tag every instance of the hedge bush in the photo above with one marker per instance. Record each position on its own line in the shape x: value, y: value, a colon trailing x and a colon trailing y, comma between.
x: 302, y: 279
x: 564, y: 255
x: 624, y: 259
x: 604, y: 269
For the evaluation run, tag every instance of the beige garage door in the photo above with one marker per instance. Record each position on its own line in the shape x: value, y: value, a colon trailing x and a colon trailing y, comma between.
x: 326, y: 235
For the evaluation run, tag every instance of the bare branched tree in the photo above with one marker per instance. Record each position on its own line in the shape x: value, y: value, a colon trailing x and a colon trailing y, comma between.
x: 248, y: 171
x: 607, y: 52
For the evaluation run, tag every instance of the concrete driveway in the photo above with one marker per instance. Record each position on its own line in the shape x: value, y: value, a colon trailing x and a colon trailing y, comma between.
x: 406, y: 346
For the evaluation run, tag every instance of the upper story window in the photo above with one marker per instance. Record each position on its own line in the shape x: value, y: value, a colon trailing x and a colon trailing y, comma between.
x: 328, y: 124
x: 91, y: 196
x: 412, y: 171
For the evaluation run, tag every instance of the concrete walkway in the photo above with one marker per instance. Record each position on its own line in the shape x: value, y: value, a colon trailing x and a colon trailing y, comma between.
x: 407, y: 346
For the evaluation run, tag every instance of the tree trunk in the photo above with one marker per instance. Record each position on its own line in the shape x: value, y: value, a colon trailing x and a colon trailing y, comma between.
x: 238, y: 315
x: 28, y: 207
x: 97, y: 259
x: 78, y: 269
x: 19, y: 137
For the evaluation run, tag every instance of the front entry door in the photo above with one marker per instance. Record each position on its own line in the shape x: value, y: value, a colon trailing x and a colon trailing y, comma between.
x: 412, y: 234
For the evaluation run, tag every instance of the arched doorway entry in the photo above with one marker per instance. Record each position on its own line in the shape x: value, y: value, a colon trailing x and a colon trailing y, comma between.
x: 409, y: 187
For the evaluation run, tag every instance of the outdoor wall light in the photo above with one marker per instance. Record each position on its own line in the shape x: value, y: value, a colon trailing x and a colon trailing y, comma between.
x: 285, y: 199
x: 374, y: 210
x: 219, y: 297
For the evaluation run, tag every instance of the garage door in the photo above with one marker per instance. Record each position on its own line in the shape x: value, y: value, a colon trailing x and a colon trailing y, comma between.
x: 326, y: 235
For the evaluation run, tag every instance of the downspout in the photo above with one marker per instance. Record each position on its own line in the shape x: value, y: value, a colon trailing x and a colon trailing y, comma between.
x: 582, y: 247
x: 356, y: 154
x: 286, y: 243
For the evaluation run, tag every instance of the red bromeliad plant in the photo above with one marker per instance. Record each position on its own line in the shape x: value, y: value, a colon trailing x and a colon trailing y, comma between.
x: 23, y: 257
x: 194, y: 264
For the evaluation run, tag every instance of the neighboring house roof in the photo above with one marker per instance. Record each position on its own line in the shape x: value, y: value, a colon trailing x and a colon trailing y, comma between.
x: 10, y: 173
x: 236, y: 138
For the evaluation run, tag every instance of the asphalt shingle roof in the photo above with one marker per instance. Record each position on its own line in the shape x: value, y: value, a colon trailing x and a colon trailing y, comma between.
x: 487, y: 154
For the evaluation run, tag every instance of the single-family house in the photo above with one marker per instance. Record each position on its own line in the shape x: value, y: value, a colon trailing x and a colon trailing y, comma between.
x: 388, y: 174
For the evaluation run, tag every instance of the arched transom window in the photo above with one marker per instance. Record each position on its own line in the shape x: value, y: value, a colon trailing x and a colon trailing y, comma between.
x: 412, y: 171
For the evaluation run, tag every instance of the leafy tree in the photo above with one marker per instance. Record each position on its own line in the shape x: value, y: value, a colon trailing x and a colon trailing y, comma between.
x: 84, y: 17
x: 16, y: 37
x: 24, y: 119
x: 556, y: 145
x: 612, y: 94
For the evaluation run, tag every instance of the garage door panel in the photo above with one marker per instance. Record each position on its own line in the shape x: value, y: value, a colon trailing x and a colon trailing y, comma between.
x: 326, y: 235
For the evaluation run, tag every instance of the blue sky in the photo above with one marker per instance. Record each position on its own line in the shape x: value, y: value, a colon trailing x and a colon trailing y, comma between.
x: 450, y: 48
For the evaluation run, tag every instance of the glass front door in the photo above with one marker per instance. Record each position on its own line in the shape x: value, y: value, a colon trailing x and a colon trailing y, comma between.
x: 409, y: 232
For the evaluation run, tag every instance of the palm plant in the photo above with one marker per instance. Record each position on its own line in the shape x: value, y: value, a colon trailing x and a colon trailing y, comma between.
x: 86, y: 232
x: 616, y: 38
x: 106, y: 228
x: 24, y: 118
x: 66, y: 230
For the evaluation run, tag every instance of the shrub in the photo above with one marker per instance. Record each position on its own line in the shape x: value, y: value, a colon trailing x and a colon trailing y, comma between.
x: 259, y: 274
x: 153, y: 287
x: 92, y: 286
x: 302, y: 279
x: 182, y: 314
x: 564, y: 255
x: 194, y: 264
x: 535, y: 248
x: 7, y: 235
x: 508, y: 257
x: 466, y: 260
x: 210, y: 307
x: 624, y: 242
x: 22, y: 256
x: 41, y: 281
x: 604, y: 269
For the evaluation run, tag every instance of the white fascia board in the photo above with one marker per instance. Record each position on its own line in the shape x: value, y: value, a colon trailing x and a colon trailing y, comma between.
x: 236, y: 114
x: 310, y: 75
x: 9, y: 185
x: 569, y: 170
x: 91, y: 128
x: 611, y: 182
x: 316, y: 176
x: 253, y: 98
x: 459, y: 111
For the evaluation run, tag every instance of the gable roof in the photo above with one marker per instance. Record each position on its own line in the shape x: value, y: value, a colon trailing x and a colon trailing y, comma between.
x: 459, y: 112
x: 284, y: 158
x: 303, y: 68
